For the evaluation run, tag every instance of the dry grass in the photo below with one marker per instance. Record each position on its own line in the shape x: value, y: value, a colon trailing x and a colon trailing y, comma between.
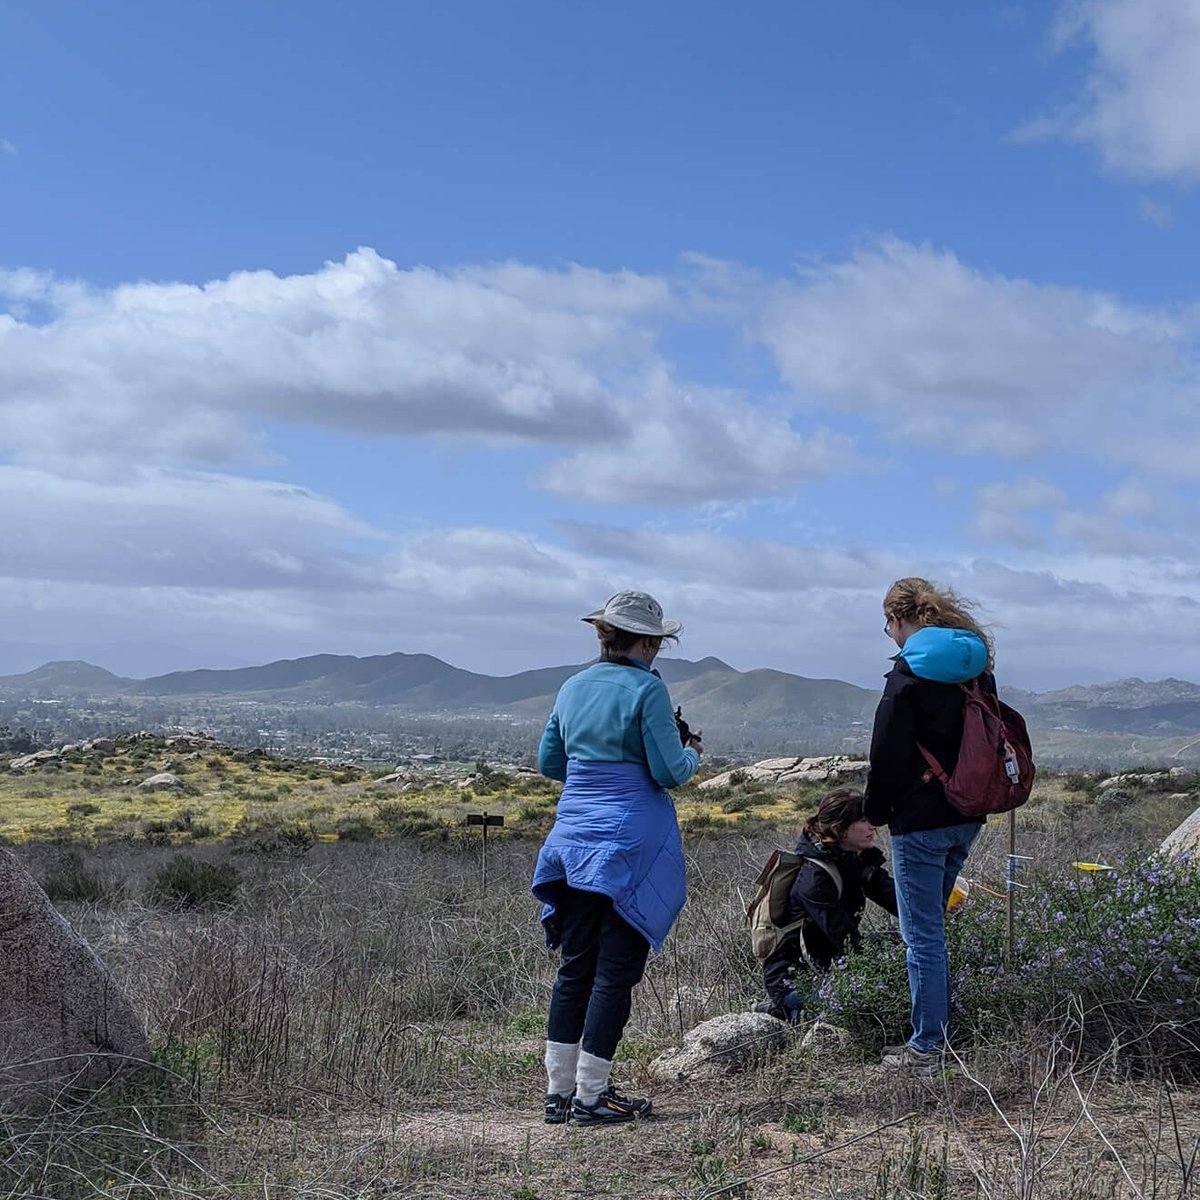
x: 362, y: 1022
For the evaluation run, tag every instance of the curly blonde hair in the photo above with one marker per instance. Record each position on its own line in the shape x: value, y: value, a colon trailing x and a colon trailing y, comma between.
x: 917, y: 600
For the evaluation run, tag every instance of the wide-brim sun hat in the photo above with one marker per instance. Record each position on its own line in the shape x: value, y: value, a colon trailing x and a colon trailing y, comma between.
x: 635, y: 612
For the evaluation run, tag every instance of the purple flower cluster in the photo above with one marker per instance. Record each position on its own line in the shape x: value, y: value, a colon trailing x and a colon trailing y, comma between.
x: 1127, y: 943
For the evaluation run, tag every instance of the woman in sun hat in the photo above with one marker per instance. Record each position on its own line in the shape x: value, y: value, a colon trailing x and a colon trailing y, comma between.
x: 610, y: 873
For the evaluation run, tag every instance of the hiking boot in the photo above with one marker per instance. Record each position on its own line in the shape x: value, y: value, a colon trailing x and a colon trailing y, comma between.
x: 610, y: 1109
x: 772, y: 1009
x: 923, y: 1064
x: 558, y: 1108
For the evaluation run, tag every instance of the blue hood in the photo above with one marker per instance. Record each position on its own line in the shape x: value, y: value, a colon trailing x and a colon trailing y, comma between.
x: 944, y: 655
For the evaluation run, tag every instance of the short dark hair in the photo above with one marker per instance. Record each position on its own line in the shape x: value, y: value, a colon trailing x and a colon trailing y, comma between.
x: 835, y: 814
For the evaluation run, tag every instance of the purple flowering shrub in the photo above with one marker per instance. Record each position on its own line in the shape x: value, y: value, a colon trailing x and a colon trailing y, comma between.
x: 1110, y: 959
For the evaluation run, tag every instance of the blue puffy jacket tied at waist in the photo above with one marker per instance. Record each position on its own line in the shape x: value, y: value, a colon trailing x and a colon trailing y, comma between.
x: 616, y: 833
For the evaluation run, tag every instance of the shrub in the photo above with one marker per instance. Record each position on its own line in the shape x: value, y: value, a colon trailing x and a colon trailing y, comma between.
x: 737, y: 804
x: 1116, y: 957
x: 1112, y: 799
x: 353, y: 828
x: 268, y: 837
x: 73, y: 881
x: 186, y: 882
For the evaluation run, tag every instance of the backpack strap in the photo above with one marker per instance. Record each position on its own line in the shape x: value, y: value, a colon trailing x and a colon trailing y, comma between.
x: 791, y: 926
x: 830, y: 870
x: 935, y: 769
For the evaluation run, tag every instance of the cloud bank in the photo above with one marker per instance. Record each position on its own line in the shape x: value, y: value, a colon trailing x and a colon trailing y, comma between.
x: 1051, y: 428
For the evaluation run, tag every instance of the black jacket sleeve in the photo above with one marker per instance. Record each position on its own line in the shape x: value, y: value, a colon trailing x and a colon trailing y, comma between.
x: 879, y: 886
x: 892, y: 738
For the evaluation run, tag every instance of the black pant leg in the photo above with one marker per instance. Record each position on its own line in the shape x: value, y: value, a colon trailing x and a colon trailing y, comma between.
x: 582, y: 914
x: 620, y: 964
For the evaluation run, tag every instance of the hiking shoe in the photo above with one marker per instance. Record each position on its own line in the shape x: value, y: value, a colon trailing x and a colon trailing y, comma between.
x: 924, y: 1064
x: 610, y: 1109
x: 772, y: 1009
x: 558, y: 1108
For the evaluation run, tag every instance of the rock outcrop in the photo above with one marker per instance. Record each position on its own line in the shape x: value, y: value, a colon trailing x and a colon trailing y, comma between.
x: 26, y: 761
x: 65, y: 1023
x: 794, y: 770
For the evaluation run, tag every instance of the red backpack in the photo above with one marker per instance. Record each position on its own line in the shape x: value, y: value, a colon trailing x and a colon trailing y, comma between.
x: 995, y: 768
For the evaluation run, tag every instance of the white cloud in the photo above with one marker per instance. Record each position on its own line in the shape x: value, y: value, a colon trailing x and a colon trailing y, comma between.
x: 6, y: 147
x: 724, y: 561
x: 110, y: 400
x: 1001, y: 512
x: 688, y: 449
x: 175, y: 374
x: 945, y: 358
x: 1142, y: 93
x: 1101, y: 534
x: 177, y: 371
x: 498, y: 600
x: 168, y: 529
x: 1132, y: 499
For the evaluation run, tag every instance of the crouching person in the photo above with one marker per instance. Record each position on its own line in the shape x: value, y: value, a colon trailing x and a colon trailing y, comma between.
x: 840, y: 870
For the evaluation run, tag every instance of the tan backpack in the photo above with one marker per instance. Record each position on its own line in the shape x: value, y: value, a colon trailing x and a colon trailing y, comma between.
x: 767, y: 914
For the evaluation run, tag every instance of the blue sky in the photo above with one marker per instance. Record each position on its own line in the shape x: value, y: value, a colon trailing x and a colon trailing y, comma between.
x: 424, y: 327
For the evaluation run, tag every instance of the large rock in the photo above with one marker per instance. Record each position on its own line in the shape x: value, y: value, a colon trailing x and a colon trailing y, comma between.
x: 1185, y: 839
x: 33, y: 760
x: 164, y: 781
x: 63, y: 1022
x: 724, y: 1046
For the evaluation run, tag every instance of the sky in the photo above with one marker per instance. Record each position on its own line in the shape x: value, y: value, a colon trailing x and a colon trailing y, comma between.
x: 426, y: 325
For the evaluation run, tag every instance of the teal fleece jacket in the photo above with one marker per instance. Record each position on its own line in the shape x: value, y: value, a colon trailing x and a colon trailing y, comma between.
x: 616, y: 712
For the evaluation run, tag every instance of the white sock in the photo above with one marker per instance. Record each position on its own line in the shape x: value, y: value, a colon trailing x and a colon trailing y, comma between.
x: 561, y: 1058
x: 591, y: 1077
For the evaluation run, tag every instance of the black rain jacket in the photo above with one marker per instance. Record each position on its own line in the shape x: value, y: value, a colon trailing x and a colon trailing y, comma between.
x: 914, y: 710
x: 829, y: 921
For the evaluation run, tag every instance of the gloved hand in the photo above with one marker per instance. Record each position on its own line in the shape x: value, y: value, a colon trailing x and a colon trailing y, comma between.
x: 872, y: 857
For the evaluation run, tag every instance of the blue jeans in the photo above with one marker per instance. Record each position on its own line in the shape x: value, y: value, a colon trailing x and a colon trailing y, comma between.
x: 925, y: 865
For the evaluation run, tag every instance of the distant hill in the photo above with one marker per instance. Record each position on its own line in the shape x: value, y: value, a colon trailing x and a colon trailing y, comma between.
x: 712, y: 694
x: 1126, y: 693
x: 66, y: 679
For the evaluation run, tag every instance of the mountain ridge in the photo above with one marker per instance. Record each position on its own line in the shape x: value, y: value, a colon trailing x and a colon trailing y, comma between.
x: 710, y: 690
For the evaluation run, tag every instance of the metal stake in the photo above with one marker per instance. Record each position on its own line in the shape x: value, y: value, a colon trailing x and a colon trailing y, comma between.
x: 1011, y: 884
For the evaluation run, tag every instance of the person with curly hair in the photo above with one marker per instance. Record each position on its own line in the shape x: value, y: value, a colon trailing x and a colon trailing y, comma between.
x: 941, y: 646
